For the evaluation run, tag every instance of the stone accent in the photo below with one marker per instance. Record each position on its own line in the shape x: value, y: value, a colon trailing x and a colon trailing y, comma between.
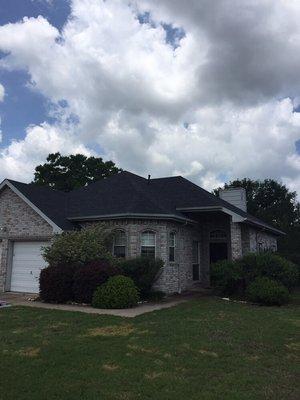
x: 18, y: 222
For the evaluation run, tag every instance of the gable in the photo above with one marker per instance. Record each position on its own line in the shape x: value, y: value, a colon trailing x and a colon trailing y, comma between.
x: 18, y: 218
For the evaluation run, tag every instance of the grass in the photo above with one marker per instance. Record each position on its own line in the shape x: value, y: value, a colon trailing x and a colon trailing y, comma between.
x: 204, y: 349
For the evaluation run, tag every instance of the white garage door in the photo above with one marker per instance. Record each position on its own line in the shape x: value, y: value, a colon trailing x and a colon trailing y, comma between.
x: 26, y: 266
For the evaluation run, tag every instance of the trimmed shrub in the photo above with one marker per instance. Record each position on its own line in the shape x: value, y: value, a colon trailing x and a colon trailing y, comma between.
x: 143, y: 271
x: 56, y: 283
x: 226, y: 277
x: 118, y: 292
x: 267, y: 292
x: 79, y: 247
x: 88, y: 277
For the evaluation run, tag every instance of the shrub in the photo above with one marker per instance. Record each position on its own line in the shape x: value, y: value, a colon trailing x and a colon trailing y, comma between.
x: 88, y: 277
x: 118, y: 292
x: 267, y: 292
x: 269, y: 265
x: 143, y: 271
x: 56, y: 283
x: 156, y: 295
x: 226, y: 277
x: 79, y: 247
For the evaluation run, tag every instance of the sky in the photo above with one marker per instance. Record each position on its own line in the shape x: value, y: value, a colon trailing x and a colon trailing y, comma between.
x: 209, y: 90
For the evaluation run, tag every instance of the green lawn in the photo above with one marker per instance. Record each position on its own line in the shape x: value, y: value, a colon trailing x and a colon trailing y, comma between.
x: 203, y: 349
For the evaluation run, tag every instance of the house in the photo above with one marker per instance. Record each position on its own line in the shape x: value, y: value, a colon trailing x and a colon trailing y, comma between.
x: 169, y: 218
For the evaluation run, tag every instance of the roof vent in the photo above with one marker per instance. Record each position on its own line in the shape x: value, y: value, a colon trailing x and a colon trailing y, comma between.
x: 235, y: 196
x: 149, y: 177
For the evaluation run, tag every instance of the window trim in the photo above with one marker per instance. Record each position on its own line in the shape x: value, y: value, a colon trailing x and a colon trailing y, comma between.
x: 173, y: 246
x: 114, y: 242
x: 155, y: 243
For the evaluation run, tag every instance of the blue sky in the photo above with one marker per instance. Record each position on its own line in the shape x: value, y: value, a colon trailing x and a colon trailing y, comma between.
x: 157, y: 86
x: 24, y: 106
x: 21, y: 100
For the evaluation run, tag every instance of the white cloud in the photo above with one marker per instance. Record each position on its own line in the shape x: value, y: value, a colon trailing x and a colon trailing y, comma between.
x: 216, y: 107
x: 18, y: 160
x: 2, y: 93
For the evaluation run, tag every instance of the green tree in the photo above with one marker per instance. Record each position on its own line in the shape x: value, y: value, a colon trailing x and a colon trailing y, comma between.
x: 273, y: 202
x: 269, y: 200
x: 71, y: 172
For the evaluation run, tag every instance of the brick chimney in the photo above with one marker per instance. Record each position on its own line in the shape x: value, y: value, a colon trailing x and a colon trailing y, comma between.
x: 235, y: 196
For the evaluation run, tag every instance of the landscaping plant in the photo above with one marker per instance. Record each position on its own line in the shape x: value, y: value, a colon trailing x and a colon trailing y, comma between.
x: 118, y: 292
x: 143, y: 271
x: 268, y: 292
x: 56, y: 283
x: 79, y: 247
x: 265, y: 273
x: 226, y: 277
x: 88, y: 277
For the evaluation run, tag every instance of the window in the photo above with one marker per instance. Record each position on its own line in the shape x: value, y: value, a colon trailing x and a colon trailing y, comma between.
x: 218, y: 235
x: 120, y: 244
x: 172, y: 244
x: 148, y: 244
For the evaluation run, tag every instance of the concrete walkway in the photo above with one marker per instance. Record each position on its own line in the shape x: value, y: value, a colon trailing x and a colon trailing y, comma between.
x: 21, y: 299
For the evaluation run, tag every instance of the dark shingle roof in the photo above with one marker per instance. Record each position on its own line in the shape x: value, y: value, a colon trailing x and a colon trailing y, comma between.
x: 127, y: 194
x: 51, y: 202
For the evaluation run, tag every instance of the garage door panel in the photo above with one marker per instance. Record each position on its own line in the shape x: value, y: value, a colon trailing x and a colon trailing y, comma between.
x: 26, y: 266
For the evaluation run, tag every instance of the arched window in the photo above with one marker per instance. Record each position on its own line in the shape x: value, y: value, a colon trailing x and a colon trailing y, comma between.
x: 119, y: 249
x: 148, y: 244
x: 218, y: 234
x: 172, y: 244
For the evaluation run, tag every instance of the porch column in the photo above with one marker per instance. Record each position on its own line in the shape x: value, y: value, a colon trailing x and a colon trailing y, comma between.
x: 236, y: 240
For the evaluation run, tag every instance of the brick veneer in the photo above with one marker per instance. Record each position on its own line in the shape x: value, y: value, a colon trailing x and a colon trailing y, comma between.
x: 23, y: 223
x: 20, y: 222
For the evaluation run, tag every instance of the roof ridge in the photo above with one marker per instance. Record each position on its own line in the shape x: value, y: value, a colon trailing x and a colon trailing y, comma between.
x: 146, y: 195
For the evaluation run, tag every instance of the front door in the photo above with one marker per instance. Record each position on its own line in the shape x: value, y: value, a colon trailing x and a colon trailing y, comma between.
x: 218, y: 252
x: 196, y: 261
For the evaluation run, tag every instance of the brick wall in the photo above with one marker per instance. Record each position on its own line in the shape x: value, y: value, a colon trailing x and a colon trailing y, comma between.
x: 21, y: 222
x: 254, y: 240
x: 176, y: 275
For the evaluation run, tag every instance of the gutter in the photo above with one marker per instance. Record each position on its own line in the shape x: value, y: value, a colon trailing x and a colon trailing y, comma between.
x: 265, y: 228
x: 235, y: 217
x: 171, y: 217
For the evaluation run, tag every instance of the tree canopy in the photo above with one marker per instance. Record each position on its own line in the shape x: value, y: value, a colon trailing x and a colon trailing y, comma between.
x: 71, y: 172
x: 269, y: 200
x: 273, y: 202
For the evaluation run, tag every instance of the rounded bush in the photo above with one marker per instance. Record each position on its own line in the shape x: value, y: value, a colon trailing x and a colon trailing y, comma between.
x: 118, y: 292
x: 143, y: 271
x: 88, y: 277
x: 267, y: 292
x: 79, y: 247
x: 226, y: 277
x: 56, y: 283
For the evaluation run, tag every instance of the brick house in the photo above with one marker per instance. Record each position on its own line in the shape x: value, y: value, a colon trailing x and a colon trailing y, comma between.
x: 168, y: 218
